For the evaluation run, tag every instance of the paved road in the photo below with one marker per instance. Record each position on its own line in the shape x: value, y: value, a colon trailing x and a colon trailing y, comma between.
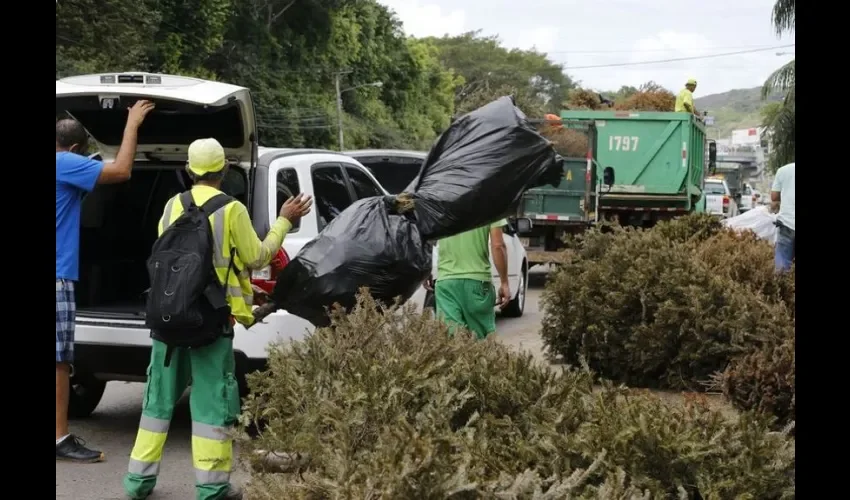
x: 112, y: 428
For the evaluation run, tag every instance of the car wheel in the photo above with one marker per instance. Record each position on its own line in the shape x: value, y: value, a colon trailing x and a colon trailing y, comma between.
x: 86, y: 393
x: 516, y: 307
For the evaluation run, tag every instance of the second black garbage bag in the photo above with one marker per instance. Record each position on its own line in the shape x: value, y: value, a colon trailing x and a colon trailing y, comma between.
x: 479, y: 168
x: 369, y: 245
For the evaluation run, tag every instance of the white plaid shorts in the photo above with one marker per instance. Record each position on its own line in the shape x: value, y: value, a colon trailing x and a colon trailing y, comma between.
x: 66, y: 312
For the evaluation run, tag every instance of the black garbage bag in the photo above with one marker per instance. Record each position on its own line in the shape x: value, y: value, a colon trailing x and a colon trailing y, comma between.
x: 369, y: 244
x: 479, y: 168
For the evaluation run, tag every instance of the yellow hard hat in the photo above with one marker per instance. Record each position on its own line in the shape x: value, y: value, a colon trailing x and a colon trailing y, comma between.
x: 206, y: 156
x: 691, y: 81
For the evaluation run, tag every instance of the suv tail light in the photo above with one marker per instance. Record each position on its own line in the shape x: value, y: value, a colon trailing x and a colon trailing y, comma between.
x: 725, y: 203
x: 266, y: 277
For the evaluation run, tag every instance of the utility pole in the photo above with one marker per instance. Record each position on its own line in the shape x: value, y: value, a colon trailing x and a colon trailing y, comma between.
x: 339, y: 92
x: 337, y: 78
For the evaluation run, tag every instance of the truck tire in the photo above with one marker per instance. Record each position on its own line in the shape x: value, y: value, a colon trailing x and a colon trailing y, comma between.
x: 516, y: 307
x: 86, y: 393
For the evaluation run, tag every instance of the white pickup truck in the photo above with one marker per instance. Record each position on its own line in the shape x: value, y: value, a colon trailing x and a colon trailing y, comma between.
x: 395, y: 170
x: 119, y: 222
x: 718, y: 199
x: 750, y: 198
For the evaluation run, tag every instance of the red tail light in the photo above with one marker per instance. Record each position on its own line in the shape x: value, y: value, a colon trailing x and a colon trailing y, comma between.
x: 266, y: 277
x: 725, y: 201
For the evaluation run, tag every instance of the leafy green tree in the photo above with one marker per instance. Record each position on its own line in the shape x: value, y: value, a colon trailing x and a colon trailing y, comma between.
x: 780, y: 121
x: 288, y: 52
x: 489, y: 70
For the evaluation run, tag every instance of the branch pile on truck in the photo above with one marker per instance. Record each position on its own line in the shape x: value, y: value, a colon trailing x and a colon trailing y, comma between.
x: 632, y: 167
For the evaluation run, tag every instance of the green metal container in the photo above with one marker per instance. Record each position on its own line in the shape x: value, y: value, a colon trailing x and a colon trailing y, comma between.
x: 658, y: 158
x: 572, y: 200
x: 564, y: 203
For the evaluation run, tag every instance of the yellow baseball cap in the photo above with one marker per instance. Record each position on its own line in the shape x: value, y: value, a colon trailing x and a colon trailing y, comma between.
x: 206, y: 156
x: 691, y: 81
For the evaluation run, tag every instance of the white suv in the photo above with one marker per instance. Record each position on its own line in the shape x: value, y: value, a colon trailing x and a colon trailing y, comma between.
x: 395, y: 170
x: 119, y: 222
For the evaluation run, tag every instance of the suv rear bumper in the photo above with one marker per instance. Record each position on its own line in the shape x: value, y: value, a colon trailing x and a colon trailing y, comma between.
x: 130, y: 363
x: 120, y: 350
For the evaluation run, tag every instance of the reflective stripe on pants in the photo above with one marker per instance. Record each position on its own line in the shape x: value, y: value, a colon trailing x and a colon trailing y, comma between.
x: 214, y: 403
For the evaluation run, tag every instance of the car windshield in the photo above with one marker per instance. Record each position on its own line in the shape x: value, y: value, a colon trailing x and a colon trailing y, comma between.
x: 714, y: 188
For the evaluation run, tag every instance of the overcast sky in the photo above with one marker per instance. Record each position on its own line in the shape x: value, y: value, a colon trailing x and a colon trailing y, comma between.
x: 606, y: 32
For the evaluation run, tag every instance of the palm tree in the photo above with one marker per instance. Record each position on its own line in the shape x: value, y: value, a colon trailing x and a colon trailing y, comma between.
x: 781, y: 124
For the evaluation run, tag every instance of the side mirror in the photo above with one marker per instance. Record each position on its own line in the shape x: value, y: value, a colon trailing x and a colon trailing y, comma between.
x: 523, y: 226
x: 712, y: 157
x: 608, y: 176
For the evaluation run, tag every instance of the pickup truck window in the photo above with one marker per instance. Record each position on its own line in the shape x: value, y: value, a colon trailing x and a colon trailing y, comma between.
x: 362, y: 184
x: 714, y: 188
x: 330, y: 193
x: 287, y: 185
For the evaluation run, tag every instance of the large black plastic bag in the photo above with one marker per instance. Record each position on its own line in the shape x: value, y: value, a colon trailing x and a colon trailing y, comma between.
x: 479, y: 168
x: 369, y: 245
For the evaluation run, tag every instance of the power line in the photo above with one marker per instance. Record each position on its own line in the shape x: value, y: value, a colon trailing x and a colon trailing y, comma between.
x: 670, y: 49
x: 676, y: 59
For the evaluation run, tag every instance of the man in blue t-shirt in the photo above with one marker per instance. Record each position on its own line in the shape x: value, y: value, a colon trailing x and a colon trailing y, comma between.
x: 75, y: 176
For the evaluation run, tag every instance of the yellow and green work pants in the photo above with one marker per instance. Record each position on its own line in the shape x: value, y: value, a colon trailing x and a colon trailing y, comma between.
x: 214, y: 403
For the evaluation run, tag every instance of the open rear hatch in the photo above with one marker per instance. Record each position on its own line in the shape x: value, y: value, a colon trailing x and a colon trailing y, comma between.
x: 119, y: 222
x: 186, y: 109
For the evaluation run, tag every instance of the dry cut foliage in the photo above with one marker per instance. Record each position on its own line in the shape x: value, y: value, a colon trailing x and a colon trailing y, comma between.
x: 389, y: 407
x: 640, y: 309
x: 763, y: 380
x: 567, y: 142
x: 675, y: 306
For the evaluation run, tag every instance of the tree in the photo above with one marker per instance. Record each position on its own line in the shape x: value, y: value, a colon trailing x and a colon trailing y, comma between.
x: 288, y: 52
x: 489, y: 71
x: 781, y: 122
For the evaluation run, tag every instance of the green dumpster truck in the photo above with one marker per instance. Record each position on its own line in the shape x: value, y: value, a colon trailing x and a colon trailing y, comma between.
x: 637, y: 168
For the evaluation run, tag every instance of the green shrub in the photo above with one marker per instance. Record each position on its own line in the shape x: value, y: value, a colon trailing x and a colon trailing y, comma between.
x: 389, y: 407
x: 640, y: 309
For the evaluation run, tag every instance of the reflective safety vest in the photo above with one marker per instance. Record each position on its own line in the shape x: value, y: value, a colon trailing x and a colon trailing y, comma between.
x: 240, y: 294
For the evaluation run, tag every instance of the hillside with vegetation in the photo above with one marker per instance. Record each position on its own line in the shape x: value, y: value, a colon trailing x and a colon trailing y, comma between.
x: 735, y: 109
x: 290, y: 53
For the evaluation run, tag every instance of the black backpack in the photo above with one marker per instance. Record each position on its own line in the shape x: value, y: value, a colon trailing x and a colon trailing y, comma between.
x: 187, y: 304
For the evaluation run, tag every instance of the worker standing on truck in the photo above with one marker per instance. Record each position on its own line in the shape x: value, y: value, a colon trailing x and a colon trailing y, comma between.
x: 77, y: 175
x: 685, y: 99
x: 214, y: 398
x: 464, y: 290
x: 782, y: 200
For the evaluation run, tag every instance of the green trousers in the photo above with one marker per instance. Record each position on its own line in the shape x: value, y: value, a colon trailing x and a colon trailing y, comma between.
x: 468, y: 303
x: 214, y: 403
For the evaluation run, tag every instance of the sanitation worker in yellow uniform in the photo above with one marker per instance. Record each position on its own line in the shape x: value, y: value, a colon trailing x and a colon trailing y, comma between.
x: 214, y: 399
x: 685, y: 99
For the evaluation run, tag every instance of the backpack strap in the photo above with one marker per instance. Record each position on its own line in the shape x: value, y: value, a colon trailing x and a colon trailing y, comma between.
x: 215, y: 203
x: 209, y: 208
x: 187, y: 200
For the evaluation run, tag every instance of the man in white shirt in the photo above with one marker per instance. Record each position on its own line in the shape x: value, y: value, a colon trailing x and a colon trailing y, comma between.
x: 782, y: 200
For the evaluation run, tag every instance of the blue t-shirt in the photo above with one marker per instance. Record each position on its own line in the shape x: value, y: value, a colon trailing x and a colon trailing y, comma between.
x: 75, y: 176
